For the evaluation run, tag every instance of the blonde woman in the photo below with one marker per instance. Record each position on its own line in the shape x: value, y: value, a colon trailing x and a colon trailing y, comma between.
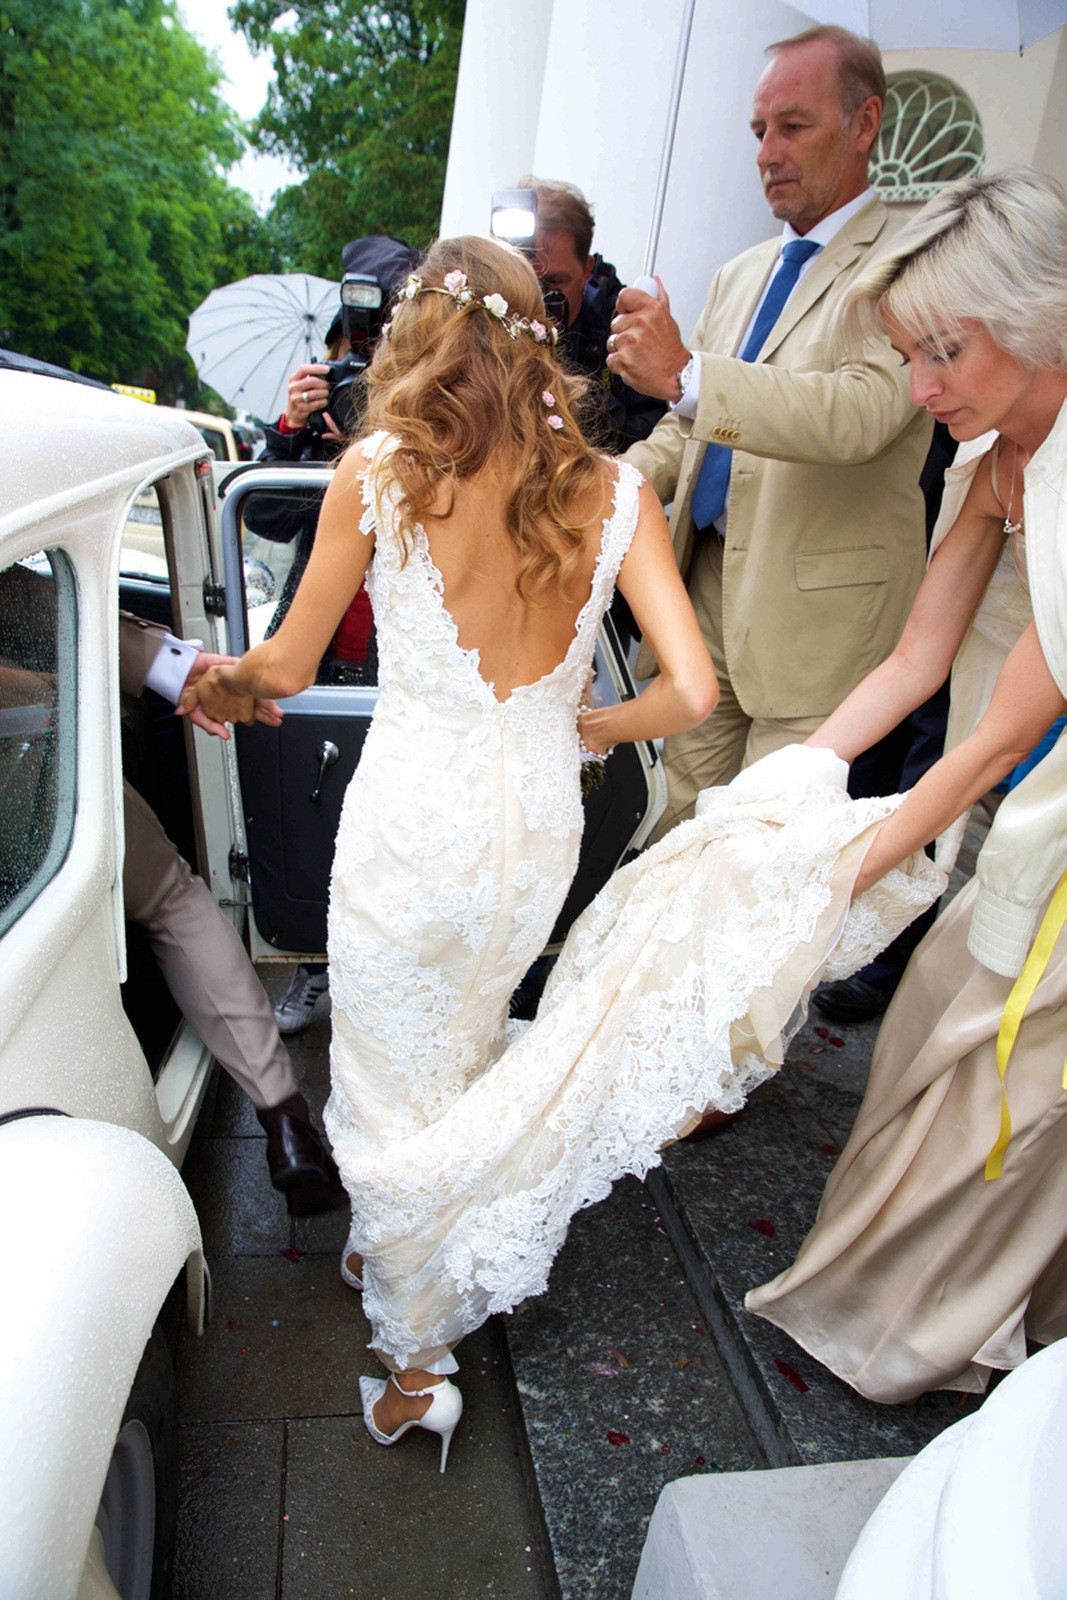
x: 940, y: 1245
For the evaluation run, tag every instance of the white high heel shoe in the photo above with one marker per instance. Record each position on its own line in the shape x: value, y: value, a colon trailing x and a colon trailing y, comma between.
x: 347, y: 1274
x: 440, y: 1416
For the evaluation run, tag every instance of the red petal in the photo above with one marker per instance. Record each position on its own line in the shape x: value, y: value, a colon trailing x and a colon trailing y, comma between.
x: 293, y: 1255
x: 617, y: 1438
x: 835, y: 1038
x: 764, y: 1226
x: 821, y: 1033
x: 791, y: 1374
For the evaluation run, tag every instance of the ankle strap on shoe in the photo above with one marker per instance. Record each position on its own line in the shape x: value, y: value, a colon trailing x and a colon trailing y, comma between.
x: 411, y: 1393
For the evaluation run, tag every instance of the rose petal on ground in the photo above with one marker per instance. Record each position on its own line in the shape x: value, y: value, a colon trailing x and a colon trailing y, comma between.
x: 791, y: 1375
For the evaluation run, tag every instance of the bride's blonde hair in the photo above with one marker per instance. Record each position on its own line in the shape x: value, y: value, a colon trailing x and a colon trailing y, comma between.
x: 463, y: 384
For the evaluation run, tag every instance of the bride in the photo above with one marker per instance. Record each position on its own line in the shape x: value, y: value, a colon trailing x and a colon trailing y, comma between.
x: 492, y: 538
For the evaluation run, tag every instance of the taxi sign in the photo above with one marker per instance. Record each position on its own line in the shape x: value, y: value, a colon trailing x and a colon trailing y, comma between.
x: 135, y: 393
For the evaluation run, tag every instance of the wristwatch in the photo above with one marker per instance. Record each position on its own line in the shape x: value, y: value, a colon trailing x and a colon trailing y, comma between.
x: 685, y: 378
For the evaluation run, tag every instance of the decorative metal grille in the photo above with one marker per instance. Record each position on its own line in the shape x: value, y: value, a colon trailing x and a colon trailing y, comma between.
x: 931, y: 134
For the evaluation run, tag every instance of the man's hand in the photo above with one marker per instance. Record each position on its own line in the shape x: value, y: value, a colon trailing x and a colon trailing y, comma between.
x: 645, y: 347
x: 309, y: 392
x: 211, y: 705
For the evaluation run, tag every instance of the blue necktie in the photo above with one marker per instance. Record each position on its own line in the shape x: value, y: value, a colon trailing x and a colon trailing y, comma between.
x: 709, y: 496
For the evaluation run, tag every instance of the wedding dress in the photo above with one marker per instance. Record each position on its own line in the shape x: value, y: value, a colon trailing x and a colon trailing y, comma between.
x: 466, y: 1152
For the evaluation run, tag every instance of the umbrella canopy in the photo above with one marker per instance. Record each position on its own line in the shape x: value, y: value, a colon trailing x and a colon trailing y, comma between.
x: 247, y: 337
x: 953, y: 25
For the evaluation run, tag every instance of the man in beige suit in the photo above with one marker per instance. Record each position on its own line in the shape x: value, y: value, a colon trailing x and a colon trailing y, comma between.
x: 802, y: 540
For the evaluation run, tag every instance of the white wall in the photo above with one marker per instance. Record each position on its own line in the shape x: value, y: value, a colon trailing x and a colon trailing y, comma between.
x: 596, y: 117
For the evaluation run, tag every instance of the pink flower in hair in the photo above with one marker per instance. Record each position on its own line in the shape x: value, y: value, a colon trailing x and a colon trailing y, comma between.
x: 455, y: 281
x: 548, y: 397
x: 555, y: 422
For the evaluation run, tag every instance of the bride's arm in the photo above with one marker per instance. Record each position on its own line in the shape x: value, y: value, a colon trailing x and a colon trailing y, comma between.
x: 1026, y: 702
x: 287, y: 662
x: 686, y: 690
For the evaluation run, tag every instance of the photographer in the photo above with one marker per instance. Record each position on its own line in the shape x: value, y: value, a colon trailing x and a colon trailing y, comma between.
x: 326, y: 397
x: 588, y: 287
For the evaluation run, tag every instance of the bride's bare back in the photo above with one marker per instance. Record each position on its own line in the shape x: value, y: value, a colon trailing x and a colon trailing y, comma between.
x: 518, y: 640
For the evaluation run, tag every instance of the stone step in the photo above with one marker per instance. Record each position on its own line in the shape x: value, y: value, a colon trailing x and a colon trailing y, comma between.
x: 737, y: 1208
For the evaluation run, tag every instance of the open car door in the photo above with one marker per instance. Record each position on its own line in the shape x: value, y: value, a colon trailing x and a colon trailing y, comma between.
x: 293, y: 778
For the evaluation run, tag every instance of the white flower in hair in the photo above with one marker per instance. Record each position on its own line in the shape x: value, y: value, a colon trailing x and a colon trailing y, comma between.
x: 412, y: 287
x: 496, y: 305
x: 455, y: 281
x: 539, y: 331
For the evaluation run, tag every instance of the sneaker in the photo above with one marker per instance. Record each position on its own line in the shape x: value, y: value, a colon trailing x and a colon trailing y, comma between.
x: 293, y: 1011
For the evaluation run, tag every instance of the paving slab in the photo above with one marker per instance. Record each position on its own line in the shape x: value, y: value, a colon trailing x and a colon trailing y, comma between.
x: 385, y: 1524
x: 231, y: 1498
x: 622, y: 1391
x: 283, y: 1493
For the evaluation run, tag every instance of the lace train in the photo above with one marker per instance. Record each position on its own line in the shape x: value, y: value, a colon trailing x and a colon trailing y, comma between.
x: 677, y: 990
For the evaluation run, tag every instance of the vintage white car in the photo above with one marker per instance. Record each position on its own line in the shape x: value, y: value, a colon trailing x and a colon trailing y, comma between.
x: 100, y: 1076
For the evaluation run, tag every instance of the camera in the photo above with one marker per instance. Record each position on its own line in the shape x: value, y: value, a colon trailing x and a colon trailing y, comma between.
x: 345, y: 400
x: 513, y: 218
x: 360, y: 323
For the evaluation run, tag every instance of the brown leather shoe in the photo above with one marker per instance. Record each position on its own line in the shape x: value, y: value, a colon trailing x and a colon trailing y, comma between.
x: 711, y: 1122
x: 300, y: 1164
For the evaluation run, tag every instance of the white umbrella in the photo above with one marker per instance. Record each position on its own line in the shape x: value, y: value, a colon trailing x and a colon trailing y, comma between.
x: 247, y: 337
x: 950, y: 25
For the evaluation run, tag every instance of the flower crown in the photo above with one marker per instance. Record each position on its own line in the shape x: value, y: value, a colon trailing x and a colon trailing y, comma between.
x: 455, y: 286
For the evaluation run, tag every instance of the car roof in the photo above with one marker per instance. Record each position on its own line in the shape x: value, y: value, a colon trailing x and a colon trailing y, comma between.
x: 199, y: 419
x: 64, y: 441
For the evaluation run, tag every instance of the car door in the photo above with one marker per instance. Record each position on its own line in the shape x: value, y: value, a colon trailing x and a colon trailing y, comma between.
x: 293, y: 779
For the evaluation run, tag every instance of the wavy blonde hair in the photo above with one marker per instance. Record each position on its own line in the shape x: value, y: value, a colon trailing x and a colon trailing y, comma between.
x: 460, y: 391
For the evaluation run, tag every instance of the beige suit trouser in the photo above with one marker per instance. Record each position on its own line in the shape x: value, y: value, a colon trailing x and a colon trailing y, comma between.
x: 202, y: 959
x: 718, y: 748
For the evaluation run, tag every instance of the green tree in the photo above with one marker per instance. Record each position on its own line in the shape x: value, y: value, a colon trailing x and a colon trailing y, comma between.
x: 115, y: 218
x: 362, y: 104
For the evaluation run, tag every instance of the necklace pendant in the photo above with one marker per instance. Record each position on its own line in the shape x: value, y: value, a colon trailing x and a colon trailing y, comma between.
x: 1011, y: 528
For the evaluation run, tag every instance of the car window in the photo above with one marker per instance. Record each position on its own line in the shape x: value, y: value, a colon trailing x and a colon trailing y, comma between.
x: 143, y: 553
x: 216, y: 442
x: 37, y: 726
x: 278, y: 533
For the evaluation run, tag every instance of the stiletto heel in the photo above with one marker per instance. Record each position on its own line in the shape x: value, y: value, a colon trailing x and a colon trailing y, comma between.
x: 440, y: 1416
x: 347, y: 1274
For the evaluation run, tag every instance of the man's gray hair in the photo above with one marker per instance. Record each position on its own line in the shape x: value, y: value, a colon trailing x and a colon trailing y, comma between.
x: 859, y: 63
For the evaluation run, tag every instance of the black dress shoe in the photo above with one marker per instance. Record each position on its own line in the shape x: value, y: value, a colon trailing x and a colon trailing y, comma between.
x: 852, y: 999
x: 300, y: 1164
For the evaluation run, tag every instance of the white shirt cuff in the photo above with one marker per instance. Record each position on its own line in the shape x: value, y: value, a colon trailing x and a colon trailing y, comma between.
x: 171, y: 667
x: 686, y: 404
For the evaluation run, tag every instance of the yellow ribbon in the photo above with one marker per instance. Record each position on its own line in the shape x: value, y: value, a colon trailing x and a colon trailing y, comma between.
x: 1020, y: 997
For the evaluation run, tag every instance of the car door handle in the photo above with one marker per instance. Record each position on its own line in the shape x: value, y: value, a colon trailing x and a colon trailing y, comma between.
x: 327, y: 754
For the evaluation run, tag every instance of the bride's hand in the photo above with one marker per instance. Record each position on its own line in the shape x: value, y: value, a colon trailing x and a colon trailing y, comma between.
x: 593, y: 729
x: 219, y: 701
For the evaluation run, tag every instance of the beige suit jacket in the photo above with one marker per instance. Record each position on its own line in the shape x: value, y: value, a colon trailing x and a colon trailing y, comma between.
x: 824, y: 544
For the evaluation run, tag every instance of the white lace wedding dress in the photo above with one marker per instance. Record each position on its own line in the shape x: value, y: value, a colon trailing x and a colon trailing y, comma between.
x: 465, y: 1154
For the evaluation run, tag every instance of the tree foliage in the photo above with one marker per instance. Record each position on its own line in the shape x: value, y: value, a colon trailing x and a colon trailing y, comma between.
x: 115, y: 219
x: 362, y: 104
